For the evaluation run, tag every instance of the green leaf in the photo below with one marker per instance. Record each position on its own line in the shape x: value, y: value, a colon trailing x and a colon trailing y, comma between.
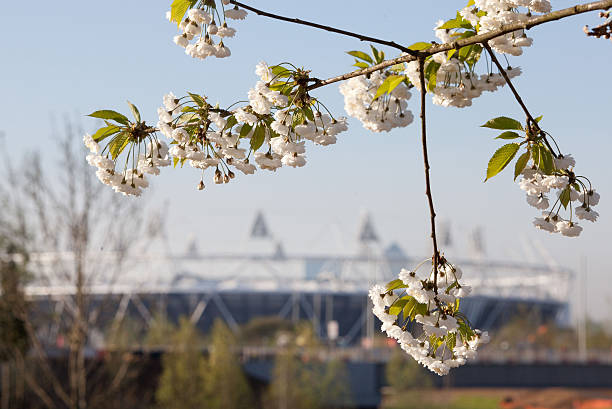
x: 547, y: 165
x: 508, y: 135
x: 377, y: 55
x: 244, y: 131
x: 450, y: 53
x: 361, y: 55
x: 258, y: 137
x: 420, y: 46
x: 451, y: 341
x: 178, y: 8
x: 564, y: 197
x: 118, y: 144
x: 388, y: 85
x: 454, y: 23
x: 503, y: 123
x: 500, y: 159
x: 538, y: 119
x: 231, y: 121
x: 535, y: 154
x: 134, y: 111
x: 521, y: 163
x: 411, y: 309
x: 418, y: 309
x: 398, y: 306
x: 105, y: 132
x: 431, y: 74
x: 308, y: 113
x: 278, y: 71
x: 395, y: 284
x: 175, y: 160
x: 197, y: 99
x: 111, y: 115
x: 298, y: 118
x: 360, y: 65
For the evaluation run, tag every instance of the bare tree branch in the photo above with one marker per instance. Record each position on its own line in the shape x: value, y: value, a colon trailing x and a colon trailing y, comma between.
x: 361, y: 37
x: 432, y: 212
x: 531, y: 121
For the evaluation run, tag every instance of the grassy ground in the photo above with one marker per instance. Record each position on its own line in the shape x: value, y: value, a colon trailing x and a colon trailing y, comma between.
x: 443, y: 399
x: 552, y: 398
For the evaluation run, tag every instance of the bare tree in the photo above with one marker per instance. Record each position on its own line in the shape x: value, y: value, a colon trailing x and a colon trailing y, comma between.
x: 78, y: 237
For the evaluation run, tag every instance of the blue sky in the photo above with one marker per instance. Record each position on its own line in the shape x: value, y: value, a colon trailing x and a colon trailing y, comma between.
x: 75, y: 57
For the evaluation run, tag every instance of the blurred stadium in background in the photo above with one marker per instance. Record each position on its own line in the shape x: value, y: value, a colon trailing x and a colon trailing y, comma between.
x: 260, y: 279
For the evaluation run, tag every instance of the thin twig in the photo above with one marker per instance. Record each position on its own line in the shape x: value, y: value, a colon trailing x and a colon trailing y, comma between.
x: 530, y: 119
x: 326, y: 28
x: 481, y: 38
x: 432, y: 211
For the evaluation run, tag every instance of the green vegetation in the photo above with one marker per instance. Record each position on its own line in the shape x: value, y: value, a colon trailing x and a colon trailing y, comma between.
x: 404, y: 373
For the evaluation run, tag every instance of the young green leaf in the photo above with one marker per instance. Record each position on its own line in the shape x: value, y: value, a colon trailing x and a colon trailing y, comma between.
x: 547, y: 165
x: 134, y: 111
x: 565, y: 196
x: 258, y: 137
x: 420, y: 46
x: 231, y: 121
x: 503, y: 123
x: 398, y: 306
x: 431, y: 74
x: 361, y: 55
x: 197, y: 99
x: 178, y: 8
x: 538, y: 119
x: 521, y: 163
x: 376, y: 54
x: 244, y: 131
x: 395, y: 284
x: 388, y: 85
x: 361, y: 65
x: 500, y: 159
x: 308, y: 113
x: 105, y: 132
x: 111, y: 115
x: 118, y: 143
x: 508, y: 135
x: 450, y: 24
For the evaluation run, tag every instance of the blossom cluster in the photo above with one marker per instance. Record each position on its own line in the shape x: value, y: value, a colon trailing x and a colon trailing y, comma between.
x: 570, y: 191
x: 131, y: 180
x: 491, y: 15
x: 455, y: 86
x: 270, y: 131
x: 424, y: 317
x: 377, y: 114
x: 200, y: 25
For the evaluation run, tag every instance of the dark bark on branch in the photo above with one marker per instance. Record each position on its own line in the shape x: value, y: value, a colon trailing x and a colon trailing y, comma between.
x: 432, y: 212
x: 532, y: 122
x: 361, y: 37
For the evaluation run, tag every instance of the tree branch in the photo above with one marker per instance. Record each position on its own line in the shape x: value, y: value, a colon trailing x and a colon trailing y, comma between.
x: 324, y: 27
x: 531, y: 121
x: 432, y: 212
x: 481, y: 38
